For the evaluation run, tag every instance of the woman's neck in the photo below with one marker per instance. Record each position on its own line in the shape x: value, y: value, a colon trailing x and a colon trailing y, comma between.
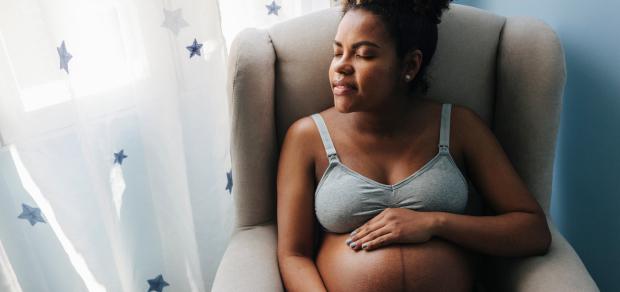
x: 388, y: 120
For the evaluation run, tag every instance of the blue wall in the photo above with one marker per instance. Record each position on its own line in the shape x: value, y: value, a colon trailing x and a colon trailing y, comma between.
x: 586, y: 187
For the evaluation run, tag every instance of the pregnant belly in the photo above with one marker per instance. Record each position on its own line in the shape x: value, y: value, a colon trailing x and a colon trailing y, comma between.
x: 436, y: 265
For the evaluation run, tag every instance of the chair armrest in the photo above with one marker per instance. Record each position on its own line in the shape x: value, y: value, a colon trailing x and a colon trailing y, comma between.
x: 560, y: 269
x: 250, y: 261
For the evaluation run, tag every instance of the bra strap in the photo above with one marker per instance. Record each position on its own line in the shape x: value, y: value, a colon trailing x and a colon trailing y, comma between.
x: 327, y: 141
x: 444, y: 134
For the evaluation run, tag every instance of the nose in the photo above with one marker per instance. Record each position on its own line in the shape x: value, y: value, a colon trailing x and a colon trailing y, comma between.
x: 343, y: 67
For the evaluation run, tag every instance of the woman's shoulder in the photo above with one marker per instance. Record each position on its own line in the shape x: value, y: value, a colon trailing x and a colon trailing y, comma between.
x: 303, y: 135
x: 468, y: 125
x: 465, y: 117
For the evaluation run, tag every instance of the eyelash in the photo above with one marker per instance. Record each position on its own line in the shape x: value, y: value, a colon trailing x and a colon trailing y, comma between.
x: 364, y: 57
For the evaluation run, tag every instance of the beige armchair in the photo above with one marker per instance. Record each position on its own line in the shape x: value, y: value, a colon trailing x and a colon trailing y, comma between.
x: 510, y: 70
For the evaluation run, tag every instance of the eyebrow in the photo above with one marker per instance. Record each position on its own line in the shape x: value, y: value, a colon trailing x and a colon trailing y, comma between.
x: 358, y: 44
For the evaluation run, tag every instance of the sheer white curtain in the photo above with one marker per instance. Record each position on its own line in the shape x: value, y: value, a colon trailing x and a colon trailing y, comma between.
x: 240, y: 14
x: 114, y: 163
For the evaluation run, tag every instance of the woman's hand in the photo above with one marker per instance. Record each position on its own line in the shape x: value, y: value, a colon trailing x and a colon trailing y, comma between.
x: 393, y: 225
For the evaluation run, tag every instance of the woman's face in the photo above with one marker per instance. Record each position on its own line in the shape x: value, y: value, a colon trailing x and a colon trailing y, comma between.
x: 365, y: 71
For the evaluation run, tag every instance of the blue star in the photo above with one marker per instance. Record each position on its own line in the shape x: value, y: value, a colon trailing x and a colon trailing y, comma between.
x: 273, y: 8
x: 157, y: 284
x: 118, y: 157
x: 174, y: 21
x: 32, y: 214
x: 64, y: 57
x: 194, y: 49
x: 229, y: 185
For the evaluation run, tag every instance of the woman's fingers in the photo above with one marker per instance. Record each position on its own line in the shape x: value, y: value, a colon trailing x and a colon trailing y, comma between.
x: 369, y: 236
x: 378, y: 242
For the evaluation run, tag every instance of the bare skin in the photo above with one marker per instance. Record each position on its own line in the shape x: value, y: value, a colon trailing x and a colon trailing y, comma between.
x: 436, y: 265
x: 377, y: 114
x: 384, y: 134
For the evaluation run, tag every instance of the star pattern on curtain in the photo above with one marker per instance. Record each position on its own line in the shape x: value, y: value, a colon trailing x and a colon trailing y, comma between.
x: 32, y: 214
x: 194, y: 49
x: 64, y: 56
x: 229, y: 184
x: 157, y: 284
x: 174, y: 20
x: 119, y: 156
x: 273, y: 8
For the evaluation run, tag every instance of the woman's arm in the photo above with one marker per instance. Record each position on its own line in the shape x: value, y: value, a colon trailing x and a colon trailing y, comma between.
x: 517, y: 233
x: 295, y: 210
x: 520, y: 226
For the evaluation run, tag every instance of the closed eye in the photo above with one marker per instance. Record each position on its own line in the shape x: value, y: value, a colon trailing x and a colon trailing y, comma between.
x: 357, y: 56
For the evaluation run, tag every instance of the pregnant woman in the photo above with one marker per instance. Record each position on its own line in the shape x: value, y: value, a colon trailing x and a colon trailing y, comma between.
x: 379, y: 182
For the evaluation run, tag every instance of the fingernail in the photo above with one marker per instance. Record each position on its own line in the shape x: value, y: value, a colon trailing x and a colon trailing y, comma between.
x: 365, y: 245
x: 348, y: 241
x: 353, y: 244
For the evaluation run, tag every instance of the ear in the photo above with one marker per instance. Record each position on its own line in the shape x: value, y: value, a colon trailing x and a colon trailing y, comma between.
x: 412, y: 63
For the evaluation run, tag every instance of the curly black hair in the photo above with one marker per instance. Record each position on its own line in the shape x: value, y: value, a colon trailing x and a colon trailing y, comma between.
x: 412, y: 24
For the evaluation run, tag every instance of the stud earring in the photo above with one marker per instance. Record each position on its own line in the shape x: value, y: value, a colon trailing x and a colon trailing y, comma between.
x: 408, y: 77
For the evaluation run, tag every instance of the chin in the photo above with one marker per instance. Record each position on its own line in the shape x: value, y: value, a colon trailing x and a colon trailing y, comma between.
x: 343, y: 104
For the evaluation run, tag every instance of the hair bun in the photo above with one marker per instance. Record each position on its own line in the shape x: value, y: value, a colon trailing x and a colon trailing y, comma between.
x: 432, y: 9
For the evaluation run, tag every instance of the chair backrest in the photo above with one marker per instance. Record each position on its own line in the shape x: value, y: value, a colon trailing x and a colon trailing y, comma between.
x: 511, y: 71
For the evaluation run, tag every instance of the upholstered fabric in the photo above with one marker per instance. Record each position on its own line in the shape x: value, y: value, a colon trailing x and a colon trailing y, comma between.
x: 510, y: 70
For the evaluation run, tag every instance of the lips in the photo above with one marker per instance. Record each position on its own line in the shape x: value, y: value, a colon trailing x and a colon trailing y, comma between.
x: 342, y: 87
